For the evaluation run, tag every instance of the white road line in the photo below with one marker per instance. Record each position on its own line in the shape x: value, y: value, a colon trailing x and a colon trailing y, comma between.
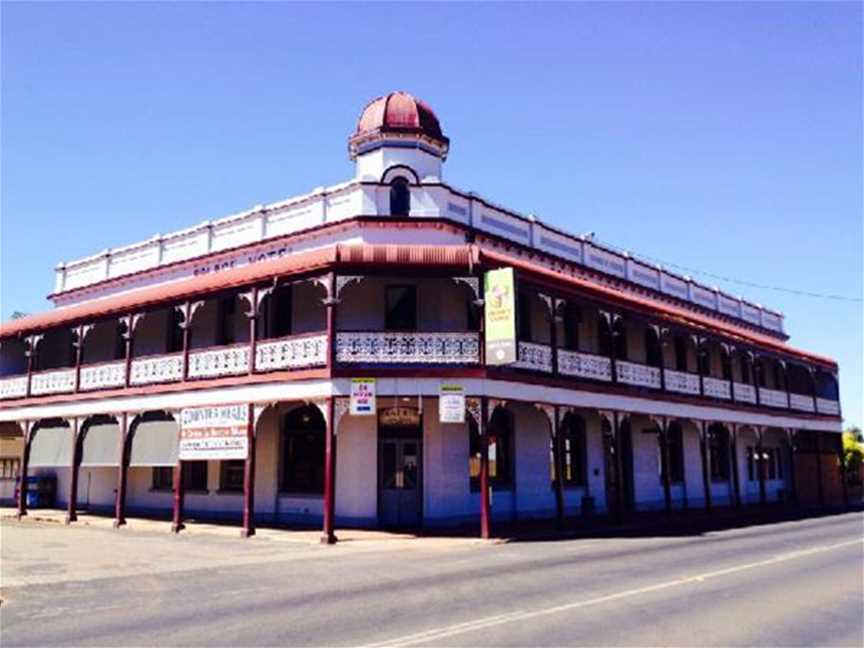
x: 436, y: 634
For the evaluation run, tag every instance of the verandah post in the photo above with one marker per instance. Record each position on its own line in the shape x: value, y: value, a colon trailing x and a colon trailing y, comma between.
x: 329, y: 534
x: 704, y: 440
x: 249, y: 476
x: 25, y: 464
x: 559, y: 469
x: 71, y: 514
x: 485, y: 525
x: 122, y: 471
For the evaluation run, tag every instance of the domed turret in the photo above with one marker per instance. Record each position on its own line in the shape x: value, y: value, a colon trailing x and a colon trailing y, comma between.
x: 398, y: 131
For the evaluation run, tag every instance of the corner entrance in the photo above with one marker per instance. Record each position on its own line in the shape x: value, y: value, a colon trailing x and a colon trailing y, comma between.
x: 400, y: 468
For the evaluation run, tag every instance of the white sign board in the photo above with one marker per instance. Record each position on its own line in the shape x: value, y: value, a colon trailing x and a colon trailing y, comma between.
x: 451, y: 404
x: 363, y: 397
x: 217, y: 432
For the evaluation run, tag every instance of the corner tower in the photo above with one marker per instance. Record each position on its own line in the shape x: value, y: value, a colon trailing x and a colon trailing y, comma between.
x: 398, y: 131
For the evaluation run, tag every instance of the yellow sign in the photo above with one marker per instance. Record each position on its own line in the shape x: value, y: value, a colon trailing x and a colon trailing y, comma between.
x: 500, y: 316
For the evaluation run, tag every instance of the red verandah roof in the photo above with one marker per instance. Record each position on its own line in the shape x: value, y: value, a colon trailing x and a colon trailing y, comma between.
x: 455, y: 256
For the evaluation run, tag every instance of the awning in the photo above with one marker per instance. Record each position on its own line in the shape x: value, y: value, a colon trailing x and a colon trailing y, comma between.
x: 154, y: 443
x: 101, y: 445
x: 51, y: 446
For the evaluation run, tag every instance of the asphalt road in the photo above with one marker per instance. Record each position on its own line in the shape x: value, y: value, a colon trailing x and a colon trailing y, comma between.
x: 790, y: 584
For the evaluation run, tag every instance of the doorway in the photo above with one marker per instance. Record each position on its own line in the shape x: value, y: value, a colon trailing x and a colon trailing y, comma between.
x: 400, y: 473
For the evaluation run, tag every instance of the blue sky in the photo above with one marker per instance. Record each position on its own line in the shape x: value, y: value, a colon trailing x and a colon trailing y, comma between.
x: 722, y: 137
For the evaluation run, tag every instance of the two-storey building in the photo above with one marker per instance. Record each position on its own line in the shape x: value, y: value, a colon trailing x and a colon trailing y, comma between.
x: 325, y: 360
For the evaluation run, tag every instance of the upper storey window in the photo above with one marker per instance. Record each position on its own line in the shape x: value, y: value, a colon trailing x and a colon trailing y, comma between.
x: 400, y: 197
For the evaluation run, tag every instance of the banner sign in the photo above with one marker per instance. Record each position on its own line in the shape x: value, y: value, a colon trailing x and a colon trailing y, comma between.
x: 217, y: 432
x: 399, y: 417
x: 363, y: 397
x: 451, y: 404
x: 500, y: 315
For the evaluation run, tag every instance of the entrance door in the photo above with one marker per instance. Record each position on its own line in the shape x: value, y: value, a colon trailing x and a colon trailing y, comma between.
x: 400, y: 482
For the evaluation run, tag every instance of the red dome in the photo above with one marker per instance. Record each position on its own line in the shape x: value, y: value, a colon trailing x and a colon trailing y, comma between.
x: 398, y: 112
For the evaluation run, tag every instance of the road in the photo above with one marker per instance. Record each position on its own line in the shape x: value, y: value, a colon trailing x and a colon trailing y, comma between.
x: 789, y: 584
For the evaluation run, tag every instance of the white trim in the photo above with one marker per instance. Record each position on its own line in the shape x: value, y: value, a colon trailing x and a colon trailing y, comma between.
x: 500, y: 389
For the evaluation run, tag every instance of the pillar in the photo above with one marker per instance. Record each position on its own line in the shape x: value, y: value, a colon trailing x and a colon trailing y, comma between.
x: 71, y: 514
x: 329, y: 534
x: 122, y: 473
x: 249, y: 475
x: 664, y: 463
x: 704, y: 440
x: 820, y: 487
x: 485, y: 522
x: 25, y: 464
x: 793, y: 478
x: 843, y: 483
x: 177, y: 518
x: 736, y: 477
x: 559, y: 470
x: 761, y: 465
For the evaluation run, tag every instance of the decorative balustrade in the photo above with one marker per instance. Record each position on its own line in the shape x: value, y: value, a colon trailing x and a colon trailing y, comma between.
x: 773, y: 397
x: 14, y: 387
x: 717, y: 388
x: 156, y: 369
x: 222, y: 361
x: 102, y: 376
x: 382, y: 347
x: 827, y: 406
x: 533, y: 356
x: 584, y: 365
x: 801, y: 402
x: 58, y: 381
x: 295, y: 352
x: 744, y: 393
x: 632, y: 373
x: 681, y: 382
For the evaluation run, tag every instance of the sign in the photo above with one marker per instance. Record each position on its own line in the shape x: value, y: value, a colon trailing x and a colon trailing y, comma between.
x: 363, y: 397
x: 399, y: 417
x: 451, y: 404
x: 217, y: 432
x: 500, y: 315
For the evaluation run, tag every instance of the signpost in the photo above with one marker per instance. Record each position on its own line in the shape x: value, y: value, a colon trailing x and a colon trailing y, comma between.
x: 500, y: 315
x: 451, y: 403
x: 363, y: 397
x: 217, y: 432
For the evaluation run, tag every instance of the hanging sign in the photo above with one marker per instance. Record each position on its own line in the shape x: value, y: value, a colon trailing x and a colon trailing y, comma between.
x: 217, y: 432
x: 500, y: 315
x: 362, y: 396
x: 451, y: 404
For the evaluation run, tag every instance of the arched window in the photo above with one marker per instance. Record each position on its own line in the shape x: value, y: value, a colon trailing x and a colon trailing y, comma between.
x: 573, y: 454
x: 400, y: 197
x: 303, y: 451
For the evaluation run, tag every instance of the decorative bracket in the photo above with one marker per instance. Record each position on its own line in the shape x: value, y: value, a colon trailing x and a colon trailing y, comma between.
x: 472, y: 407
x: 341, y: 407
x: 343, y: 281
x: 549, y: 411
x: 473, y: 283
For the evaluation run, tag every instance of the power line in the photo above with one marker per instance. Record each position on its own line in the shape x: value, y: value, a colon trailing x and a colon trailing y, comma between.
x: 742, y: 282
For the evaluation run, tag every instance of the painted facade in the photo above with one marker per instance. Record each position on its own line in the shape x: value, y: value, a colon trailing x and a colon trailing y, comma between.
x: 634, y: 389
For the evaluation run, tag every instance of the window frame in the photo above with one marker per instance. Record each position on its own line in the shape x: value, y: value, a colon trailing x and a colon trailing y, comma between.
x: 227, y: 467
x: 389, y: 324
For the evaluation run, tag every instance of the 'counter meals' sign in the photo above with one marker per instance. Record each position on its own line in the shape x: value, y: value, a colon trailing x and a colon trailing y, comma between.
x: 217, y: 432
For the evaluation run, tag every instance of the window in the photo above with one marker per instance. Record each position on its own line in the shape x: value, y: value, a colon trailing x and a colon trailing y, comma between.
x: 725, y: 364
x: 572, y: 318
x: 573, y: 456
x: 500, y: 432
x: 401, y: 308
x: 745, y: 370
x: 675, y: 439
x: 195, y: 476
x: 280, y: 313
x: 163, y: 478
x: 400, y: 198
x: 175, y: 331
x: 227, y: 320
x: 652, y: 348
x: 231, y: 474
x: 524, y: 320
x: 9, y: 467
x: 680, y: 353
x: 619, y: 335
x: 704, y: 354
x: 718, y: 453
x: 303, y: 441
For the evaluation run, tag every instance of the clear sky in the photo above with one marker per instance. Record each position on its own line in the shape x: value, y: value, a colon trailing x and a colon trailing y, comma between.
x: 722, y: 137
